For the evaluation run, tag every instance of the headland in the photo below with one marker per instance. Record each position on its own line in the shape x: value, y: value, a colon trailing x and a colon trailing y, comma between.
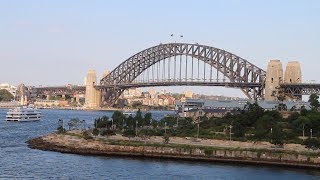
x: 235, y: 152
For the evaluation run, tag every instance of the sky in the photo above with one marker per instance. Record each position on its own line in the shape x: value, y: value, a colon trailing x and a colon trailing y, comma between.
x: 56, y: 42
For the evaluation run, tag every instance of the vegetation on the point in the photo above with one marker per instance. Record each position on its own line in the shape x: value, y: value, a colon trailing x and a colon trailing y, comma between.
x: 252, y: 123
x: 5, y: 95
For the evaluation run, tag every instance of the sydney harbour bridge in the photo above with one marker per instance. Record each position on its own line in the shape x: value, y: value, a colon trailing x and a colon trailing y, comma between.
x: 183, y: 64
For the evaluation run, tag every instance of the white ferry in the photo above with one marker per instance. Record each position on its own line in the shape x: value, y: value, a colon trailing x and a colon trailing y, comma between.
x: 23, y: 114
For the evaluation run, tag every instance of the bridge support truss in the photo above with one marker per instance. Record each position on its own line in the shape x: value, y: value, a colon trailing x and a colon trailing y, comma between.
x: 296, y: 90
x: 180, y: 63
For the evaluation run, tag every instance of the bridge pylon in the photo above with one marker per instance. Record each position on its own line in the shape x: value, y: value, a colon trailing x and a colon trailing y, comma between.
x: 274, y: 78
x: 293, y: 72
x: 93, y: 95
x: 293, y: 76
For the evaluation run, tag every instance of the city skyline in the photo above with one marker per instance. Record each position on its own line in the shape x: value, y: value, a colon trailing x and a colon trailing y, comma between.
x: 55, y: 43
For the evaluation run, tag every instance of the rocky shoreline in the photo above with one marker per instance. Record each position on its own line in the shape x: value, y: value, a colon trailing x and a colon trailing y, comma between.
x: 74, y: 144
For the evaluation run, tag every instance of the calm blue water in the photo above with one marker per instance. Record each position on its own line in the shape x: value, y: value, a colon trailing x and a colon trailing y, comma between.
x: 19, y: 162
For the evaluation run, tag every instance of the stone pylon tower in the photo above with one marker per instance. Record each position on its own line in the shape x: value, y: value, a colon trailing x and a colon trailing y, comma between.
x: 93, y: 96
x: 293, y: 73
x: 273, y: 79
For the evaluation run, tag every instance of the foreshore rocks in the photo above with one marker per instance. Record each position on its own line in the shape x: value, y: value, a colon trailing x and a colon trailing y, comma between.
x: 77, y: 145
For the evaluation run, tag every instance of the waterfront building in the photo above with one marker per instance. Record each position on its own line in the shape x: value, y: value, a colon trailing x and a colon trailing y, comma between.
x: 188, y: 94
x: 51, y: 103
x: 153, y: 93
x: 162, y: 91
x: 131, y: 93
x: 189, y: 104
x: 196, y: 113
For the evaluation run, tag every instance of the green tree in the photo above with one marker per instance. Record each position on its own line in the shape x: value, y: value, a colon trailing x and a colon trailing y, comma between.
x: 5, y: 95
x: 262, y: 127
x: 130, y: 123
x: 101, y: 122
x: 238, y: 129
x: 314, y: 102
x: 118, y: 119
x: 303, y: 111
x: 301, y: 123
x: 281, y: 97
x: 147, y: 119
x: 95, y: 132
x: 154, y: 124
x: 277, y: 135
x: 138, y: 118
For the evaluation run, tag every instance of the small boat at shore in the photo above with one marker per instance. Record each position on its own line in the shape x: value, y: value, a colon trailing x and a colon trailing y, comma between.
x: 23, y: 114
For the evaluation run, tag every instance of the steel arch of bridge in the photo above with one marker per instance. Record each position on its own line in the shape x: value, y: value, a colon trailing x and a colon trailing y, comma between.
x: 235, y: 68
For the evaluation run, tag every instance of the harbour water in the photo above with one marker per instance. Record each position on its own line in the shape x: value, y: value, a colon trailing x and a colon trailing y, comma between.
x: 19, y: 162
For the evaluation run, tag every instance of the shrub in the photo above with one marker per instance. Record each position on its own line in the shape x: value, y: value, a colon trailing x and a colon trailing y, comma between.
x: 61, y: 130
x: 86, y: 135
x: 107, y: 132
x: 95, y: 132
x: 129, y: 133
x: 166, y: 139
x: 312, y: 143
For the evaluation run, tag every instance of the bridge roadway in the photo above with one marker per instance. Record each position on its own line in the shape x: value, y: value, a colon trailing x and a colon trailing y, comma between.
x: 298, y: 89
x: 179, y: 83
x: 81, y: 89
x: 58, y: 90
x: 294, y: 89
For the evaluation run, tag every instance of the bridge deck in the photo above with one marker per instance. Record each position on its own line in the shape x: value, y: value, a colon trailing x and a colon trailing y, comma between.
x: 298, y: 89
x: 180, y: 83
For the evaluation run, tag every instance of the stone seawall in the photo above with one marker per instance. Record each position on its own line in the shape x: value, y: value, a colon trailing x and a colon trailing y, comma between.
x: 76, y: 145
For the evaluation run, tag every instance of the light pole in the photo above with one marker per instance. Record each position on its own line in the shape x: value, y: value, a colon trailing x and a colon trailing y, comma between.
x: 177, y: 122
x: 198, y: 128
x: 84, y: 124
x: 122, y: 125
x: 271, y: 135
x: 230, y: 131
x: 165, y: 128
x: 111, y: 123
x: 136, y: 128
x: 311, y: 133
x: 303, y: 131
